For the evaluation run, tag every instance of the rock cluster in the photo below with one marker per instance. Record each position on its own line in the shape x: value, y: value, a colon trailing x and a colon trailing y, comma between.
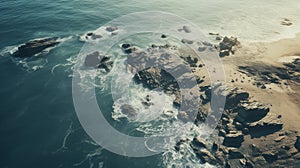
x: 286, y: 22
x: 96, y: 60
x: 228, y: 46
x: 266, y: 74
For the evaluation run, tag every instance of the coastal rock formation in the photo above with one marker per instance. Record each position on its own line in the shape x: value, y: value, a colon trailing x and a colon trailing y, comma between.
x: 267, y: 74
x: 233, y: 139
x: 96, y: 60
x: 251, y: 112
x: 228, y: 46
x: 268, y: 125
x: 33, y: 47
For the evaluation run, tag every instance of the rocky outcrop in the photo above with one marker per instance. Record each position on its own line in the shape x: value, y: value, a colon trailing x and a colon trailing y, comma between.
x: 228, y: 46
x: 268, y: 125
x: 234, y: 139
x: 251, y: 112
x: 96, y: 60
x: 206, y: 156
x: 33, y: 47
x: 93, y: 36
x: 233, y: 95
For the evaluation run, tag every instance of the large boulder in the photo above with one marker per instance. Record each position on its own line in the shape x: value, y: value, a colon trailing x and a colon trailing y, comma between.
x: 33, y: 47
x: 198, y: 143
x: 233, y: 95
x: 233, y: 139
x: 251, y: 112
x: 234, y: 153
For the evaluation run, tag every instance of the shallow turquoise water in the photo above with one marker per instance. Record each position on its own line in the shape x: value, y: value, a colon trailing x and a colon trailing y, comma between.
x: 38, y: 124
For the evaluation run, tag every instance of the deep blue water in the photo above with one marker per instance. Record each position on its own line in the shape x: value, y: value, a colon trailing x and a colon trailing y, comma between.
x: 38, y: 123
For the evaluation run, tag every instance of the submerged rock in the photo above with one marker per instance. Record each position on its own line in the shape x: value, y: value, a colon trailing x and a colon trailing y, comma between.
x: 128, y: 110
x: 186, y: 29
x: 33, y: 47
x: 187, y: 41
x: 111, y: 28
x: 96, y: 60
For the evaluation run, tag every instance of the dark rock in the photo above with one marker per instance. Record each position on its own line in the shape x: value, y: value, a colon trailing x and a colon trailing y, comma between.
x: 297, y: 143
x: 233, y: 139
x: 125, y: 46
x: 192, y: 61
x: 208, y: 44
x: 218, y: 38
x: 270, y: 157
x: 111, y: 28
x: 235, y: 154
x: 201, y: 49
x: 198, y: 143
x: 163, y: 36
x: 215, y: 147
x: 187, y: 41
x: 222, y: 133
x: 224, y: 53
x: 179, y: 143
x: 186, y: 29
x: 213, y: 34
x: 33, y: 47
x: 228, y: 43
x: 95, y: 36
x: 105, y: 64
x: 233, y: 96
x: 227, y: 46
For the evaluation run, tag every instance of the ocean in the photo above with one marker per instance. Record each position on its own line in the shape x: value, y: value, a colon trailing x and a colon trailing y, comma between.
x: 38, y: 122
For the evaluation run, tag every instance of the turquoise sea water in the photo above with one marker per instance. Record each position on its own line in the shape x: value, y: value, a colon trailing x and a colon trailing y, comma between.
x: 38, y: 123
